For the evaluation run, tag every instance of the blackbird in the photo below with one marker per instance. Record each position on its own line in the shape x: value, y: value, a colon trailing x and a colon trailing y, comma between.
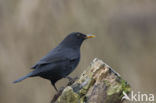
x: 60, y: 61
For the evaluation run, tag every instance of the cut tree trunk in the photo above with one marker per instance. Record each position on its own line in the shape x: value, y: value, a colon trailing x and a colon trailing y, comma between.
x: 97, y: 84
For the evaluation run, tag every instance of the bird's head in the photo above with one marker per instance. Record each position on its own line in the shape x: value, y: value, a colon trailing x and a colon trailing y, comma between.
x: 75, y: 39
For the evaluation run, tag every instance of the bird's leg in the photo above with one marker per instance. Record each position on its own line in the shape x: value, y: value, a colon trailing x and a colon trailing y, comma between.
x: 54, y: 86
x: 71, y: 80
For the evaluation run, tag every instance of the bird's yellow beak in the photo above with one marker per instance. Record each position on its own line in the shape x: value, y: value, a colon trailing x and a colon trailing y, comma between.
x: 89, y: 36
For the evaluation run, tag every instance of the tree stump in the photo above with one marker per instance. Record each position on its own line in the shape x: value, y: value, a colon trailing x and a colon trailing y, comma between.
x: 97, y: 84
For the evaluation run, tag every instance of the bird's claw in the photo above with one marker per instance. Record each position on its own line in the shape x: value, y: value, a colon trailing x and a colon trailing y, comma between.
x: 71, y: 80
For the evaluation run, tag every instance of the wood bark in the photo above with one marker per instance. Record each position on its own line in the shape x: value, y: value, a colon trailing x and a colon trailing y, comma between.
x: 99, y: 83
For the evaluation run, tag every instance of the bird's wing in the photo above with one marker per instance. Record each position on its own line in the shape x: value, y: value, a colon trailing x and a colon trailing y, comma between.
x: 60, y: 68
x: 42, y: 62
x: 57, y: 57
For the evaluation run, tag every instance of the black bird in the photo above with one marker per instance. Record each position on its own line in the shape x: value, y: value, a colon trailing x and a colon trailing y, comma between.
x: 60, y: 61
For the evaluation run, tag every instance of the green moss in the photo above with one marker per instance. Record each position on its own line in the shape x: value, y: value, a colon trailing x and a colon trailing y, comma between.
x: 84, y: 90
x: 106, y: 82
x: 117, y: 88
x: 69, y: 96
x: 125, y: 87
x: 113, y: 89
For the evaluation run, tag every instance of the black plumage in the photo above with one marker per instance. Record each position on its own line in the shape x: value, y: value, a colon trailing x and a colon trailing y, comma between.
x: 60, y: 61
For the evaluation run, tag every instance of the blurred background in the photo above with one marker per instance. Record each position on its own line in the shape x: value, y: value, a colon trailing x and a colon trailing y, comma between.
x: 125, y: 39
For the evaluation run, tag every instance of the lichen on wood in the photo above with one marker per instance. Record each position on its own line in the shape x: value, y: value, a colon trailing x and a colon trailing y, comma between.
x: 99, y: 83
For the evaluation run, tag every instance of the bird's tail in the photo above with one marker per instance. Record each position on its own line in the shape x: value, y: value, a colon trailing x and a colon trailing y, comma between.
x: 22, y: 78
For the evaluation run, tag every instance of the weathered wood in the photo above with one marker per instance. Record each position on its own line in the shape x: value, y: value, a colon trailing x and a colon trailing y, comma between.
x: 97, y: 84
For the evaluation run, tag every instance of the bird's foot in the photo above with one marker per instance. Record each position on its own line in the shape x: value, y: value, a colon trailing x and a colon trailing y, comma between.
x: 71, y: 80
